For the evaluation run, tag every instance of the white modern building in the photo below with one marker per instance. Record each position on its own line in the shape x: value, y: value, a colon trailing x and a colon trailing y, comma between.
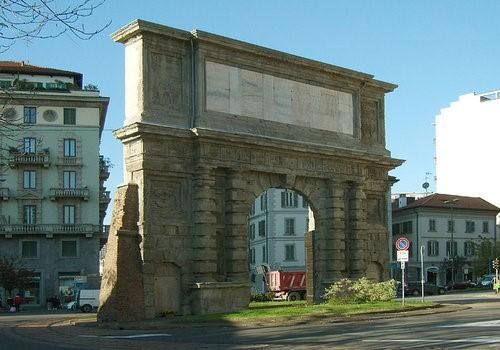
x: 277, y: 222
x: 437, y: 223
x: 52, y: 194
x: 467, y: 145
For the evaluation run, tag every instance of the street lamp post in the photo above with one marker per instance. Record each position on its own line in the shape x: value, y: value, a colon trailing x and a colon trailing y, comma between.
x: 452, y: 202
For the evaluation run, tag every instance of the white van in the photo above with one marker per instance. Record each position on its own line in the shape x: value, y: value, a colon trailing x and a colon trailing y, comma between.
x: 88, y: 299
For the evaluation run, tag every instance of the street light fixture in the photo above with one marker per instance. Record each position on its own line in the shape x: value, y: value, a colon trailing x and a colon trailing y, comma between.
x: 452, y: 202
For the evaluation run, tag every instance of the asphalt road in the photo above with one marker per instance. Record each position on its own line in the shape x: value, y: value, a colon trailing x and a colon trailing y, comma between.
x: 477, y: 326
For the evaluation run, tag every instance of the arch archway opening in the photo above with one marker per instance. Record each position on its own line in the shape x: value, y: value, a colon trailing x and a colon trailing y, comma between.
x: 280, y: 228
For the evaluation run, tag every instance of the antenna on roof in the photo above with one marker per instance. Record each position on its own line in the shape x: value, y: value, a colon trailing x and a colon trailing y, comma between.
x: 426, y: 185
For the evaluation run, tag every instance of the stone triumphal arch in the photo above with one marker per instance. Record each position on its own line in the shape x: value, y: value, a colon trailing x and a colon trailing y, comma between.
x: 210, y: 123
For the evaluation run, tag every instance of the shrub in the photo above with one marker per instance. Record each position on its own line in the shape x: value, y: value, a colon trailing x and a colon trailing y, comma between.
x: 363, y: 290
x: 261, y: 297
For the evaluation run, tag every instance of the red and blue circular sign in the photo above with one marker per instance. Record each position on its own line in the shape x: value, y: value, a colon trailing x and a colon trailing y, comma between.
x: 403, y: 243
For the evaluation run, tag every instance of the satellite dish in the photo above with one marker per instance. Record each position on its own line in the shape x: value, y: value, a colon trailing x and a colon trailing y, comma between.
x: 425, y: 185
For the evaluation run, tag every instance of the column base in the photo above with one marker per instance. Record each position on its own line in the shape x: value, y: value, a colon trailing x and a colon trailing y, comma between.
x: 216, y: 297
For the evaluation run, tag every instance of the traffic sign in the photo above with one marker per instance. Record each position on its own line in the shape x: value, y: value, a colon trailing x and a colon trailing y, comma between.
x: 403, y: 243
x: 402, y: 267
x: 402, y: 255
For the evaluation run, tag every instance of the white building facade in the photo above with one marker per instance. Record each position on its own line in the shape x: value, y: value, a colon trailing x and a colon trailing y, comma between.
x: 278, y: 220
x: 439, y: 222
x: 53, y: 198
x: 467, y: 146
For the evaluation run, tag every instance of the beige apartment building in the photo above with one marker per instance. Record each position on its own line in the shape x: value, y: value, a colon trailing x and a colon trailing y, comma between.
x: 53, y: 198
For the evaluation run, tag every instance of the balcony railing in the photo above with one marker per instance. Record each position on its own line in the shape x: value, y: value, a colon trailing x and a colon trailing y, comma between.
x: 4, y: 194
x: 103, y: 168
x: 50, y: 229
x: 56, y: 193
x: 104, y: 197
x: 105, y: 230
x: 20, y: 158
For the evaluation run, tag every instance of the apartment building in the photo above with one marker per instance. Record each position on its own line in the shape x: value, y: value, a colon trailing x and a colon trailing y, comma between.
x: 53, y: 199
x: 277, y: 222
x: 447, y: 227
x: 466, y: 146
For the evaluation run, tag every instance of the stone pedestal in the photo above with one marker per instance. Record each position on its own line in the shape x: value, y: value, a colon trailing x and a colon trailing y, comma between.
x: 214, y: 297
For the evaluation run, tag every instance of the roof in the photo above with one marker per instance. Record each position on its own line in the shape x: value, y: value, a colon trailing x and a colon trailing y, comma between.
x: 20, y: 67
x: 439, y: 201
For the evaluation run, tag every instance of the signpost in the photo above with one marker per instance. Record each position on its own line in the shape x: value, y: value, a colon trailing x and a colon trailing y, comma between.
x: 402, y: 245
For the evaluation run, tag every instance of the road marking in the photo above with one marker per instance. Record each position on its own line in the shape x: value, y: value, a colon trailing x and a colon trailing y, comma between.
x: 479, y: 340
x: 132, y: 336
x: 491, y: 323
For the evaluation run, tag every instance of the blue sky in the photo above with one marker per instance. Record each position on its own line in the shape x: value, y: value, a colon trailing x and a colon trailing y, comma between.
x: 434, y: 50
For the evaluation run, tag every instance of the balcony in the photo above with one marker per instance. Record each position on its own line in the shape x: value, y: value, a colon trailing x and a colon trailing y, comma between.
x: 4, y: 194
x: 104, y: 165
x: 104, y: 198
x: 105, y: 230
x: 56, y: 193
x: 21, y: 158
x: 50, y: 229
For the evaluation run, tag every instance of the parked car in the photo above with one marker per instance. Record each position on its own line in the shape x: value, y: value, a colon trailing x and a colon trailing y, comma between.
x: 461, y: 285
x: 88, y: 299
x: 487, y: 280
x: 415, y: 288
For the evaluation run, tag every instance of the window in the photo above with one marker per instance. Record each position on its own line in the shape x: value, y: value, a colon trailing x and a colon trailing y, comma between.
x: 289, y: 226
x: 262, y: 228
x: 252, y: 256
x: 29, y: 214
x: 263, y: 201
x: 486, y: 227
x: 432, y: 225
x: 70, y: 116
x: 69, y: 214
x: 252, y: 209
x: 289, y: 199
x: 407, y: 227
x: 451, y: 226
x: 30, y: 115
x: 29, y: 249
x: 432, y: 248
x: 470, y: 226
x: 264, y: 256
x: 289, y: 252
x: 69, y: 147
x: 304, y: 203
x: 69, y: 179
x: 448, y: 248
x: 251, y: 229
x: 396, y: 229
x: 5, y: 84
x: 69, y: 249
x: 29, y: 179
x: 29, y: 145
x: 469, y: 248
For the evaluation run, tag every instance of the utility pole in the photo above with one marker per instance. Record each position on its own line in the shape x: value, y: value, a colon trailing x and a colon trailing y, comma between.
x: 422, y: 271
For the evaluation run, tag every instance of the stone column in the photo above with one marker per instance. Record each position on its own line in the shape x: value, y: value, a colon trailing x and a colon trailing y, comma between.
x: 340, y: 243
x: 204, y: 230
x: 357, y: 240
x: 236, y: 228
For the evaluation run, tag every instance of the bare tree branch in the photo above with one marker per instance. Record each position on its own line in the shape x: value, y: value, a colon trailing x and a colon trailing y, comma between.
x: 44, y: 19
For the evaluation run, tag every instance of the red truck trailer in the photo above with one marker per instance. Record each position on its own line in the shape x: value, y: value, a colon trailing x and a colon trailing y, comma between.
x: 289, y: 286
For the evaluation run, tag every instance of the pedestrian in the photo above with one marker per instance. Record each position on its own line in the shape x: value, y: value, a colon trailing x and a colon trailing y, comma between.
x: 17, y: 302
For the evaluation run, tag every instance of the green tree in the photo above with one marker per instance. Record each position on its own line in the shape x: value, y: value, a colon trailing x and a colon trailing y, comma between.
x: 13, y: 275
x: 485, y: 250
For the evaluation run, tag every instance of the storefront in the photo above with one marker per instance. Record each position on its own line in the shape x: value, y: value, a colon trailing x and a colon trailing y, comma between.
x: 67, y: 289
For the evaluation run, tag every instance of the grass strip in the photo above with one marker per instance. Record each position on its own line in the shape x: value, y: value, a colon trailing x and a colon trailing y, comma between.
x: 297, y: 309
